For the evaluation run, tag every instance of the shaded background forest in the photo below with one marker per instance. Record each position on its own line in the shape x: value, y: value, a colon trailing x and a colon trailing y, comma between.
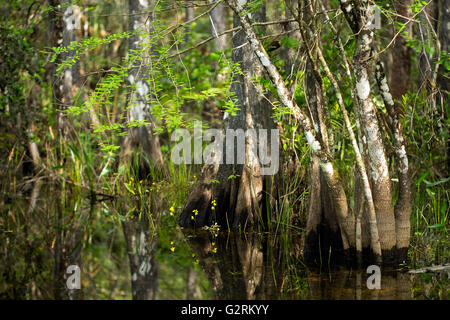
x: 72, y: 189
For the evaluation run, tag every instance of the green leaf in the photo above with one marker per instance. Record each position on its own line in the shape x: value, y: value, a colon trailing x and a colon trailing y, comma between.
x: 437, y: 226
x: 423, y: 177
x: 432, y: 184
x: 130, y: 189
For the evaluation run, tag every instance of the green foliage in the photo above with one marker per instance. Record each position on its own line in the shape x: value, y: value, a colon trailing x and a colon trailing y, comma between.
x: 88, y: 166
x: 20, y: 65
x: 252, y: 6
x: 83, y: 47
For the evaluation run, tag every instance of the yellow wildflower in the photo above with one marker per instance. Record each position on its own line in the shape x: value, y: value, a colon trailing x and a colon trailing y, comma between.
x: 214, y: 203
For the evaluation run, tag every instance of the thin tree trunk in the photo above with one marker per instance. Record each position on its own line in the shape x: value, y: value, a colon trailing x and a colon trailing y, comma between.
x: 240, y: 200
x: 323, y: 242
x: 33, y: 148
x: 218, y: 26
x: 345, y: 218
x: 189, y: 15
x: 366, y: 225
x: 375, y: 243
x: 289, y: 54
x: 426, y: 57
x: 403, y: 207
x: 56, y: 39
x: 141, y: 138
x: 217, y: 17
x: 70, y: 74
x: 400, y: 69
x: 443, y: 81
x: 378, y: 168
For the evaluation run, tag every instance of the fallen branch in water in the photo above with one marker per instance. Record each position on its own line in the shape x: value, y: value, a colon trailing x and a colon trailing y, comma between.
x: 440, y: 268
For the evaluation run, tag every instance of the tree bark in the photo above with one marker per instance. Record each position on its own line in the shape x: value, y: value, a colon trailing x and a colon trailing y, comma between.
x: 240, y: 200
x: 443, y: 81
x: 400, y: 69
x: 345, y: 218
x: 403, y: 207
x: 56, y: 39
x: 313, y: 57
x: 189, y: 15
x: 378, y: 170
x: 218, y: 26
x: 289, y: 54
x: 141, y: 139
x: 322, y: 228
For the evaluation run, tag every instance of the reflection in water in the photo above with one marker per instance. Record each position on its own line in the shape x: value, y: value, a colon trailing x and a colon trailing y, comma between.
x: 39, y: 243
x: 352, y: 285
x: 140, y: 232
x: 234, y: 265
x: 124, y: 251
x: 69, y: 227
x: 193, y: 291
x: 254, y: 266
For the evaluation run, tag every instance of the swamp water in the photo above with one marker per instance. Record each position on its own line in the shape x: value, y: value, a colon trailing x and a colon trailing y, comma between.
x: 47, y: 236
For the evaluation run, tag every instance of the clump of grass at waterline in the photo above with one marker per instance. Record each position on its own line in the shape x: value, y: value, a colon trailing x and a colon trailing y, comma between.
x: 430, y: 244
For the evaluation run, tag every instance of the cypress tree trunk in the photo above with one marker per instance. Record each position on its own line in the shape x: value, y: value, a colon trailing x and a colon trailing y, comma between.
x: 442, y: 78
x: 140, y: 230
x: 189, y: 14
x: 344, y: 216
x: 323, y: 242
x: 360, y: 19
x: 401, y: 55
x: 218, y: 26
x: 141, y: 139
x: 289, y: 54
x: 63, y: 26
x: 240, y: 200
x: 56, y: 39
x: 403, y: 207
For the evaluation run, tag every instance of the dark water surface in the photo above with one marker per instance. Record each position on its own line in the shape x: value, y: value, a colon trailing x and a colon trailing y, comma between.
x: 45, y: 230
